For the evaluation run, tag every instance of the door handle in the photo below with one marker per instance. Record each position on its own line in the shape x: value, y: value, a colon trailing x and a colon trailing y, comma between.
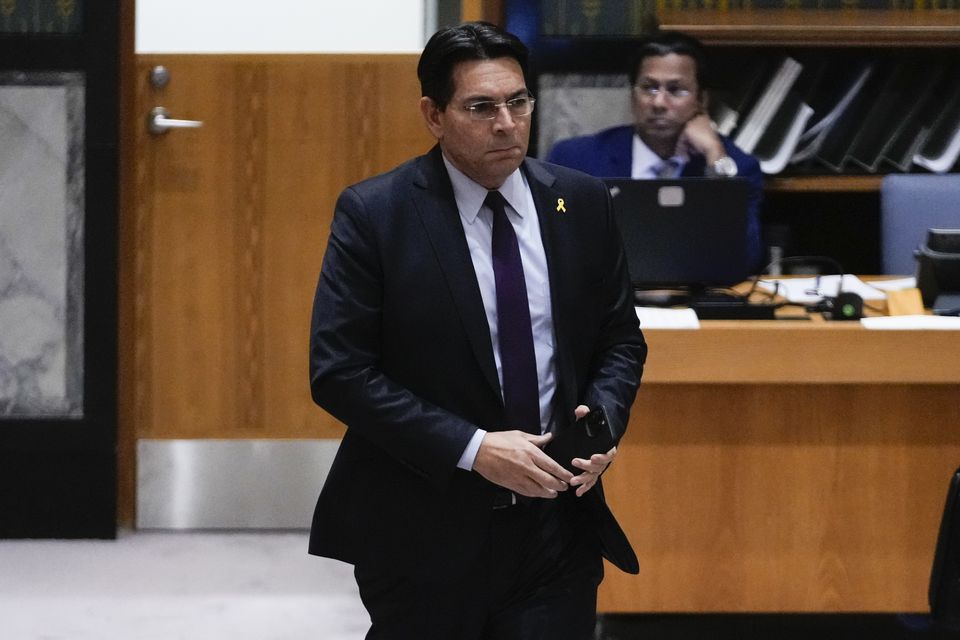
x: 159, y: 122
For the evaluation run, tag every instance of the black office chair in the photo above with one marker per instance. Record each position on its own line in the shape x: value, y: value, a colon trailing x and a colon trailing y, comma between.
x: 944, y: 593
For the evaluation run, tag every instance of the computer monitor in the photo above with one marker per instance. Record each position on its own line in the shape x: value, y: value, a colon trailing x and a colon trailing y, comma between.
x: 687, y: 233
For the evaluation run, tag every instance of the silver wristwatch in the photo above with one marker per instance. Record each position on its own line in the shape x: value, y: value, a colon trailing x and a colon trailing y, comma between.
x: 723, y: 167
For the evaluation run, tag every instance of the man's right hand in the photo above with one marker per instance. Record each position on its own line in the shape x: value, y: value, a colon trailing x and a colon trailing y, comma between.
x: 515, y: 460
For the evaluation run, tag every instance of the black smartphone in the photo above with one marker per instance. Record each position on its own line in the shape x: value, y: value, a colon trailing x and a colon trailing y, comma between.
x: 590, y: 434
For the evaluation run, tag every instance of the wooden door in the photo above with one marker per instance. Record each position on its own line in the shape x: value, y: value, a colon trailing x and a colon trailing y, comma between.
x: 225, y: 227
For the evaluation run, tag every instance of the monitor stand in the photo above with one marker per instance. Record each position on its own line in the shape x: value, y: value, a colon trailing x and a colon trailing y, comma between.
x: 947, y: 304
x: 709, y: 304
x: 683, y: 297
x: 661, y: 298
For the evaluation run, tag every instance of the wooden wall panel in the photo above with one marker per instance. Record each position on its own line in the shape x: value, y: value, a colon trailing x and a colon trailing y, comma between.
x: 231, y: 222
x: 369, y: 123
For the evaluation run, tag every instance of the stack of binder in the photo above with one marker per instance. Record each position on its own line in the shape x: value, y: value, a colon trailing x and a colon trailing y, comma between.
x: 818, y: 114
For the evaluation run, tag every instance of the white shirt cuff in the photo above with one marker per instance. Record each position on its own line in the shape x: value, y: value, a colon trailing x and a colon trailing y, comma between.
x: 470, y: 452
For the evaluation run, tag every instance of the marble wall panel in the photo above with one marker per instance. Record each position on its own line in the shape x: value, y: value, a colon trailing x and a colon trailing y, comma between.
x: 41, y: 244
x: 573, y: 104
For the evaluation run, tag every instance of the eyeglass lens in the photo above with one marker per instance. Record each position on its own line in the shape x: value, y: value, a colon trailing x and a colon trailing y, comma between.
x: 651, y: 89
x: 488, y: 109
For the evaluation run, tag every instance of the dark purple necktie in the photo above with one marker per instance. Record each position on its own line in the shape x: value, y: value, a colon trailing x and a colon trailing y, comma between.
x: 521, y: 387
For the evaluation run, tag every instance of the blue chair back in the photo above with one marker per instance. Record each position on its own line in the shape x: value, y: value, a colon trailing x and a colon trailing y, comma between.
x: 909, y: 205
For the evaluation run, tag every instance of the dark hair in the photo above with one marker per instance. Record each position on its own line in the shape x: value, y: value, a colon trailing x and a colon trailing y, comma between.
x: 664, y: 43
x: 452, y: 45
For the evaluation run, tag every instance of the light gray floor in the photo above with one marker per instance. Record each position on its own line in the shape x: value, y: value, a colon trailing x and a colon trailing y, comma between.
x: 176, y: 585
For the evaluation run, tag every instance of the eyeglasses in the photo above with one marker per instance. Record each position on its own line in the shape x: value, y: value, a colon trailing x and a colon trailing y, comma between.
x: 488, y: 109
x: 653, y: 89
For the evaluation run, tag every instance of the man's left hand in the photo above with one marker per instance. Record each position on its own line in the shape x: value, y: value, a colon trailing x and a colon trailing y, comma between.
x: 592, y: 468
x: 700, y: 138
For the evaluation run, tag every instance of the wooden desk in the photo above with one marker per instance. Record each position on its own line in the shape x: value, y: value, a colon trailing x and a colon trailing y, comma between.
x: 786, y: 466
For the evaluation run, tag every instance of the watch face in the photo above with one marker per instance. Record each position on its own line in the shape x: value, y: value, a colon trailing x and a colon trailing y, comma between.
x: 725, y: 167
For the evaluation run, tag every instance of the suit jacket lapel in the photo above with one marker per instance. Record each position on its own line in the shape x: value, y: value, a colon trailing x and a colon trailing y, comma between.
x: 434, y: 201
x: 556, y: 245
x: 620, y: 158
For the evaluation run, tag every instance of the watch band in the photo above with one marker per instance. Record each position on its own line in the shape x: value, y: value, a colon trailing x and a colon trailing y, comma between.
x: 723, y: 167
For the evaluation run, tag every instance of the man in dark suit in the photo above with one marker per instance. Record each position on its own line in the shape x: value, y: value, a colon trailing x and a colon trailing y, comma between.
x: 472, y: 303
x: 672, y: 136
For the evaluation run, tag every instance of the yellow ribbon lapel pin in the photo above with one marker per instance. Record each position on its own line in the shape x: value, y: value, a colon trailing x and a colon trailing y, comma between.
x: 560, y: 206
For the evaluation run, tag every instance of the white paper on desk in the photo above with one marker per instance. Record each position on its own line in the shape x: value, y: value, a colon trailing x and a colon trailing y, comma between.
x: 917, y: 322
x: 660, y: 318
x: 812, y: 290
x: 897, y: 284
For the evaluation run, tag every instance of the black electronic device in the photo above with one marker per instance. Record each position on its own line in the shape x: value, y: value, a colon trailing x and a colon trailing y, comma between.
x: 846, y: 305
x: 687, y: 233
x: 944, y: 592
x: 938, y: 266
x: 590, y: 434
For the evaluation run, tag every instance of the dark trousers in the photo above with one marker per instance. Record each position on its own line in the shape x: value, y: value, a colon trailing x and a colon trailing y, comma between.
x: 536, y: 578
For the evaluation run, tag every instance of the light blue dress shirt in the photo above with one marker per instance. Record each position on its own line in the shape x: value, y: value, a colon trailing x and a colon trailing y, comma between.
x: 648, y: 165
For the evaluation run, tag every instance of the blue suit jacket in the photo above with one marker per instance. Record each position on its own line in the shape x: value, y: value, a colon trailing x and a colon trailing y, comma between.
x: 609, y: 154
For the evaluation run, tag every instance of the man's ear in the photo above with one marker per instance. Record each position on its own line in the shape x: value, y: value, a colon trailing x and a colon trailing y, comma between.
x: 432, y: 116
x: 704, y: 100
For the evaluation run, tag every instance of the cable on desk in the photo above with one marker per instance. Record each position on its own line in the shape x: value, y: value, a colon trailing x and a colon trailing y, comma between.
x: 799, y: 260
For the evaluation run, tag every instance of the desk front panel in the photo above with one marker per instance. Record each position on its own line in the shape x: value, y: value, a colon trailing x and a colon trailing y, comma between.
x: 815, y: 496
x: 801, y: 351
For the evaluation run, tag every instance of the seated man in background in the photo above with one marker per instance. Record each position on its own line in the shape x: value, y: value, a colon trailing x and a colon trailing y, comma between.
x: 671, y: 136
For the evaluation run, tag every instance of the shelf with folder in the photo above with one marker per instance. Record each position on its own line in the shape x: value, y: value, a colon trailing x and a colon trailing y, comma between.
x: 834, y: 111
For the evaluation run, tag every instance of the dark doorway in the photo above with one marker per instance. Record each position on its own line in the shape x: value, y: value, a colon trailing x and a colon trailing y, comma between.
x: 59, y: 114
